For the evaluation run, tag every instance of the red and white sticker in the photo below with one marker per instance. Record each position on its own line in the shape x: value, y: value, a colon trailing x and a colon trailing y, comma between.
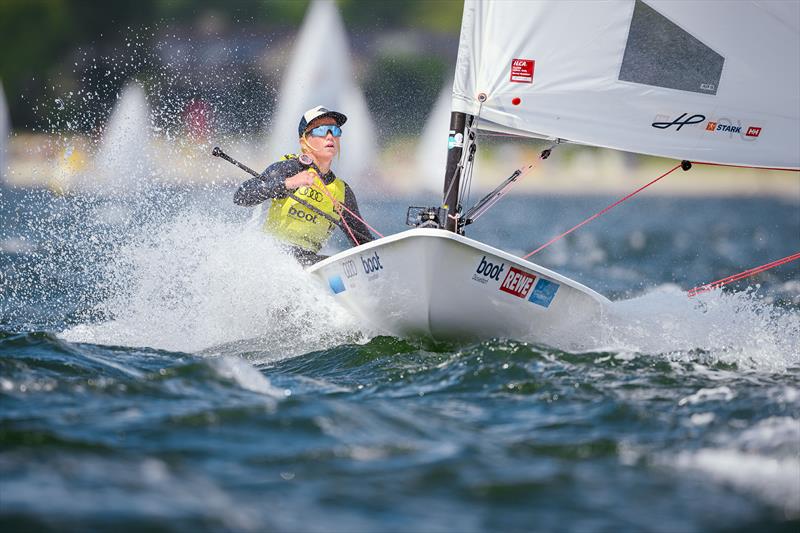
x: 753, y: 131
x: 517, y: 282
x: 522, y: 70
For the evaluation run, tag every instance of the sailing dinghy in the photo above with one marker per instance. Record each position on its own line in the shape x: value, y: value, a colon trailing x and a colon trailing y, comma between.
x: 715, y: 82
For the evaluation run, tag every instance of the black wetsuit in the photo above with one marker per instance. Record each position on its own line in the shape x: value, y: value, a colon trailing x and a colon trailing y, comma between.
x: 271, y: 185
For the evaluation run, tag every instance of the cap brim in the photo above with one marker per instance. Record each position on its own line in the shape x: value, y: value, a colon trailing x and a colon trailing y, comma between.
x: 338, y: 117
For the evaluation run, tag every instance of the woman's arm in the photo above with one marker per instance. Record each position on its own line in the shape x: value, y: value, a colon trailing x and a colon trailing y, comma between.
x: 271, y: 183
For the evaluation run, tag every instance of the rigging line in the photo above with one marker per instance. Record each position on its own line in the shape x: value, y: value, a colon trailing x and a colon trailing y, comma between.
x: 501, y: 193
x: 341, y: 206
x: 745, y: 166
x: 346, y: 225
x: 741, y: 275
x: 469, y: 166
x: 452, y: 180
x: 452, y: 176
x: 465, y: 175
x: 502, y: 190
x: 557, y: 237
x: 473, y: 149
x: 500, y: 134
x: 471, y: 163
x: 469, y: 156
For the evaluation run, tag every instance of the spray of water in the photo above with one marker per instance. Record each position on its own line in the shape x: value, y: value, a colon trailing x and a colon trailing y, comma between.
x: 738, y: 328
x: 199, y: 282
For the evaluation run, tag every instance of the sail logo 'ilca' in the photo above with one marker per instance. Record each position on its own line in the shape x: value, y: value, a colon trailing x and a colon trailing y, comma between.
x: 522, y: 70
x: 661, y: 121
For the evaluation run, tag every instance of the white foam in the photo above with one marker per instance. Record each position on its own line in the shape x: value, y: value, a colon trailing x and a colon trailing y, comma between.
x: 202, y: 283
x: 702, y: 419
x: 66, y: 486
x: 777, y: 480
x: 247, y: 377
x: 734, y: 328
x: 704, y: 395
x: 763, y: 460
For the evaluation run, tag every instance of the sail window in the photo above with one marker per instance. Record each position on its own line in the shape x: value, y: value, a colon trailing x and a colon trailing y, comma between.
x: 661, y: 53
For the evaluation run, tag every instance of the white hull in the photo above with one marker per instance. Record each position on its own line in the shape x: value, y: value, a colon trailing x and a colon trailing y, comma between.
x: 436, y: 284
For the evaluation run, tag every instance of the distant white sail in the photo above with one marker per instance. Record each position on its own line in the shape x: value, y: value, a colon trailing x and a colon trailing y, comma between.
x: 431, y: 152
x: 320, y: 73
x: 124, y: 162
x: 5, y: 130
x: 715, y: 81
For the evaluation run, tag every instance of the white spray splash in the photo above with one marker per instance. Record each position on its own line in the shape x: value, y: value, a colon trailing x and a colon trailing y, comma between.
x: 734, y: 328
x: 199, y: 283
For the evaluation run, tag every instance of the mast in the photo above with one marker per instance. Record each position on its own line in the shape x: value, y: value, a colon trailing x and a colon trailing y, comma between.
x: 452, y: 174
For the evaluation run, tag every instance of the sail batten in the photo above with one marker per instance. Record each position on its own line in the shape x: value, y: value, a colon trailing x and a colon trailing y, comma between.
x: 717, y: 81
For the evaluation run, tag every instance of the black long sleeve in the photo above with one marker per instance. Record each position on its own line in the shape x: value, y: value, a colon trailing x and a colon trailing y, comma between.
x: 269, y: 185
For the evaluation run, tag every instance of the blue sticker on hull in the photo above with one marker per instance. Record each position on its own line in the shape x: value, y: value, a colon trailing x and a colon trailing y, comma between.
x: 336, y: 283
x: 543, y: 293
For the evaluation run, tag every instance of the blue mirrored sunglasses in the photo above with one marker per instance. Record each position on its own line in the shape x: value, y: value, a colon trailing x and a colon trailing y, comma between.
x: 322, y: 131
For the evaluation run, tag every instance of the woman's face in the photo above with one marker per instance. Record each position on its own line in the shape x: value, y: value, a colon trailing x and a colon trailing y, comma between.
x: 322, y: 147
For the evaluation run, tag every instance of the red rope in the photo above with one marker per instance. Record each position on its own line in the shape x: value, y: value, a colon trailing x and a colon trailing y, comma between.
x: 378, y: 233
x: 346, y: 225
x: 554, y: 239
x: 341, y: 206
x: 741, y: 275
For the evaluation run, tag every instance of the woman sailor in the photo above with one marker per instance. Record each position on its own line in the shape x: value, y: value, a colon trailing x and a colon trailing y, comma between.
x: 307, y: 199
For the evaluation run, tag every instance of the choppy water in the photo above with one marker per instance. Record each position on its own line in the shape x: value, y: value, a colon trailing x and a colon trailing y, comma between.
x: 164, y: 367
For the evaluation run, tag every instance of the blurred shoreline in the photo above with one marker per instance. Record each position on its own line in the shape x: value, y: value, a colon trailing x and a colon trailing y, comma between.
x: 66, y: 163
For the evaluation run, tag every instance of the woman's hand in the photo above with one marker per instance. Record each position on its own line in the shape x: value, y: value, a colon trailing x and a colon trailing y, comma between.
x: 301, y: 179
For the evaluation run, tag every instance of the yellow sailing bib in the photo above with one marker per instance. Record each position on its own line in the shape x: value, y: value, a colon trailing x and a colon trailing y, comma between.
x: 291, y: 221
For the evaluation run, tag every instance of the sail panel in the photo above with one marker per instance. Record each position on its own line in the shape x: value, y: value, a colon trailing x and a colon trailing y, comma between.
x: 706, y: 81
x: 658, y: 52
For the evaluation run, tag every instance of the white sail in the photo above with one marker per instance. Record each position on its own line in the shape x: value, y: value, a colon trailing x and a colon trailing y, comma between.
x: 320, y: 73
x: 5, y: 129
x: 714, y: 81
